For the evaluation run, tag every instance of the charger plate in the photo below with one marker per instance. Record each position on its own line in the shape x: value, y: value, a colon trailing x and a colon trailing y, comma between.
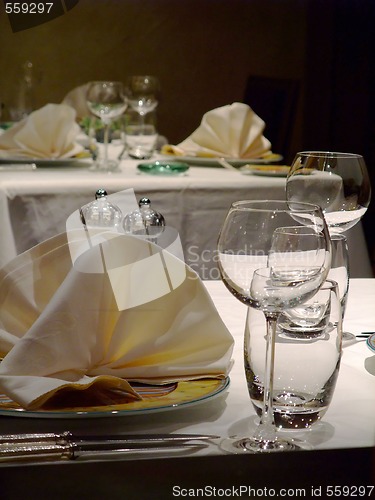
x: 371, y: 342
x: 49, y: 162
x: 205, y: 161
x: 155, y: 399
x: 265, y: 170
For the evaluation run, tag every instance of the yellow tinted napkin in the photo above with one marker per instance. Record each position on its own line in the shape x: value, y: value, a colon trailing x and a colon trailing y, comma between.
x: 125, y: 310
x: 232, y: 131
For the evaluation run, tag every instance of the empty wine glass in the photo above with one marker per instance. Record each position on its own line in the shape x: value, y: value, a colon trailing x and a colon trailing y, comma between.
x: 338, y: 182
x: 106, y: 100
x: 143, y: 93
x: 249, y: 241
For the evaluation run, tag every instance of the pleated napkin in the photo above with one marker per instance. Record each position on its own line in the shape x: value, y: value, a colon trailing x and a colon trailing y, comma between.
x: 232, y: 131
x: 76, y: 98
x: 49, y: 132
x: 124, y: 311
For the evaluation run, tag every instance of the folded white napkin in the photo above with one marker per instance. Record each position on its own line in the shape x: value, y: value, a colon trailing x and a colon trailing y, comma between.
x: 76, y: 98
x: 49, y: 132
x: 232, y: 131
x: 125, y: 310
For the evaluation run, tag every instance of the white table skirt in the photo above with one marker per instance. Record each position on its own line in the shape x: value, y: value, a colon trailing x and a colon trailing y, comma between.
x: 348, y: 423
x: 34, y: 206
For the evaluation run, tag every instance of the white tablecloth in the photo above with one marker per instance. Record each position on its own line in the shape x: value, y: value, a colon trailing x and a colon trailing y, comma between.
x: 34, y: 206
x: 348, y: 423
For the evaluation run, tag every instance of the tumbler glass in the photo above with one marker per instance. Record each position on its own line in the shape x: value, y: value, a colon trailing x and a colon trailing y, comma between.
x: 307, y: 360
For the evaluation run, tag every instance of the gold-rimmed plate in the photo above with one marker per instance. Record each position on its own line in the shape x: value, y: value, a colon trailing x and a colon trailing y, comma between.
x: 48, y: 162
x: 371, y: 342
x: 155, y: 399
x: 265, y: 170
x: 206, y: 161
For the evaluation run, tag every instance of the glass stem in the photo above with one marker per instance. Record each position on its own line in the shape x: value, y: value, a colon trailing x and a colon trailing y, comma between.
x: 106, y: 141
x: 142, y: 121
x: 266, y: 430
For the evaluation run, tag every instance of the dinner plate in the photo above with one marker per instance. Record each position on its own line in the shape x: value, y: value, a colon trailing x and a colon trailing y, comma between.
x: 371, y: 342
x: 155, y: 399
x: 203, y: 161
x: 265, y: 170
x: 48, y: 162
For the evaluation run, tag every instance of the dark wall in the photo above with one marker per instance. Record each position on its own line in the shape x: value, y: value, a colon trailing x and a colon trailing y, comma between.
x: 339, y: 107
x: 202, y: 50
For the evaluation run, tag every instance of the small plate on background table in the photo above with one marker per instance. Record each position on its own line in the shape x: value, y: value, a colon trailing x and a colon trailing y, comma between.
x: 48, y: 162
x: 265, y: 170
x: 205, y: 161
x: 163, y: 168
x: 154, y: 399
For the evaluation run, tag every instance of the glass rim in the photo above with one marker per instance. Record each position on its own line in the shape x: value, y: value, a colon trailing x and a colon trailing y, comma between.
x: 329, y: 284
x: 328, y: 154
x: 274, y: 205
x: 140, y: 75
x: 106, y: 82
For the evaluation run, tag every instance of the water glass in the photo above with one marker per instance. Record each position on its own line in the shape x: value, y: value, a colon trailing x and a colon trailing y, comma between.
x: 140, y: 134
x: 306, y: 366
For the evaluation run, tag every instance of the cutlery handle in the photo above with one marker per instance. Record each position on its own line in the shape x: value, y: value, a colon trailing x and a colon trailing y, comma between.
x: 33, y: 451
x: 12, y: 439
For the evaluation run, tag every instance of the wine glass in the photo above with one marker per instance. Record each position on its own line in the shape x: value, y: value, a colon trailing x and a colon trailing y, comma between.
x: 143, y: 93
x: 272, y: 273
x: 106, y: 100
x: 338, y: 182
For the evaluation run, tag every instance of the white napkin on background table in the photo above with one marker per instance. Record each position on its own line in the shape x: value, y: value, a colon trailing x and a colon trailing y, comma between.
x: 232, y: 131
x: 49, y: 132
x: 97, y: 324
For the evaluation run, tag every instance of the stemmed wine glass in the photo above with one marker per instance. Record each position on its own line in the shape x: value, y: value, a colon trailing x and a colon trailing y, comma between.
x: 268, y: 271
x: 143, y: 93
x: 107, y: 100
x: 338, y: 182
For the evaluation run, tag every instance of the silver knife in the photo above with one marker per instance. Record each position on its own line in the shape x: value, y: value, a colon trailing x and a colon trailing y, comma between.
x: 66, y: 446
x: 98, y: 439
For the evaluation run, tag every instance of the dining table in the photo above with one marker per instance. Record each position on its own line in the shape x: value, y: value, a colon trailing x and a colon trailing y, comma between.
x: 35, y: 203
x: 341, y: 459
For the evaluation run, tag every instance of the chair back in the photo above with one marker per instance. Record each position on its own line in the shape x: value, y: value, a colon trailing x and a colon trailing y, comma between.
x: 275, y: 100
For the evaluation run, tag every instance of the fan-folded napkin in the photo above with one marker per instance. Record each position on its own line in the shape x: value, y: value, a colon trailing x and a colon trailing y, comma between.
x: 49, y: 132
x: 232, y: 131
x: 140, y: 315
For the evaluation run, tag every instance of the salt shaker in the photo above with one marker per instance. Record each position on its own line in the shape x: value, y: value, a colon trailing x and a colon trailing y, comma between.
x: 144, y: 221
x: 101, y: 213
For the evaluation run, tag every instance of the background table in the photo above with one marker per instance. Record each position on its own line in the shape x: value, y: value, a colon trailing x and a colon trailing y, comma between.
x: 344, y: 439
x: 34, y: 206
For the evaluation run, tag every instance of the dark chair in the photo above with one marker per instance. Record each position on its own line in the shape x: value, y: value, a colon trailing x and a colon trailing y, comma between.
x: 275, y: 100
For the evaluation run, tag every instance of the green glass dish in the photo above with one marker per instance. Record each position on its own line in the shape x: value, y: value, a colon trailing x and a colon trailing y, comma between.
x: 163, y: 168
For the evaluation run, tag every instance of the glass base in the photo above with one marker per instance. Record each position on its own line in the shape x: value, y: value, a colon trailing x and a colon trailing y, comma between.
x: 238, y: 445
x: 348, y: 337
x: 105, y: 166
x: 140, y: 155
